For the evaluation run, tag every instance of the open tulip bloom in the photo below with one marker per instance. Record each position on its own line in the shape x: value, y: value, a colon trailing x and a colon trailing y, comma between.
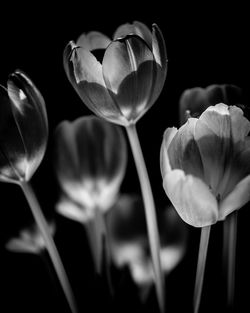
x: 23, y: 141
x: 205, y: 166
x: 90, y: 163
x: 193, y: 102
x: 120, y: 89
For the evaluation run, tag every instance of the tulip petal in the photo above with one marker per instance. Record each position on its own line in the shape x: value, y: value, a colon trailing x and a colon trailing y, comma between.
x: 191, y: 198
x: 236, y: 199
x: 213, y: 133
x: 85, y: 74
x: 93, y: 41
x: 184, y: 152
x: 29, y: 111
x: 239, y: 124
x: 129, y: 73
x: 21, y: 246
x: 136, y: 28
x: 164, y: 158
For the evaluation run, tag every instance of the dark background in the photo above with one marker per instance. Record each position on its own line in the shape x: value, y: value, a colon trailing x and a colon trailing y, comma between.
x: 206, y: 44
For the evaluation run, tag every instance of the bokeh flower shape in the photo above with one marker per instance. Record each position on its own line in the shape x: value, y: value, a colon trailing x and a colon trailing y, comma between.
x: 30, y: 240
x: 130, y: 77
x: 90, y: 161
x: 23, y: 128
x: 129, y: 242
x: 196, y: 100
x: 205, y: 165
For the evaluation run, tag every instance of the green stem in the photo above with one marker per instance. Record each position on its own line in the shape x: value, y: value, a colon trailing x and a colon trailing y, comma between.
x: 204, y: 240
x: 150, y: 213
x: 229, y: 254
x: 49, y: 242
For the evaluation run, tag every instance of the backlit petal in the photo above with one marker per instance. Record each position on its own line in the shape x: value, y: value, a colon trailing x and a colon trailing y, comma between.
x: 236, y: 199
x: 169, y: 134
x: 191, y: 198
x: 93, y: 40
x: 128, y: 70
x: 183, y: 151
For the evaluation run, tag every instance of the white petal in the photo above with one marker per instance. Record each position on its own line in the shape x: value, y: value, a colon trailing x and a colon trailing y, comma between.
x: 191, y: 198
x: 164, y: 158
x: 236, y: 199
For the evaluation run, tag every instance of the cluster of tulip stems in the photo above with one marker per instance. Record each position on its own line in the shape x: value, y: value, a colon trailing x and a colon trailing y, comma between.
x: 204, y: 163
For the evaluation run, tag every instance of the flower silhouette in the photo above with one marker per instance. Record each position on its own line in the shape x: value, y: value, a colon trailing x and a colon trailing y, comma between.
x: 129, y: 243
x: 130, y: 77
x: 23, y: 128
x: 90, y: 161
x: 30, y: 240
x: 196, y: 100
x: 205, y: 165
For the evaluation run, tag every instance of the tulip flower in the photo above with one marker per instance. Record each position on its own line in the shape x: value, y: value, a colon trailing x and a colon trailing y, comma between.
x: 120, y: 89
x: 129, y: 243
x: 130, y: 77
x: 30, y: 240
x: 192, y: 103
x: 23, y: 130
x: 205, y: 170
x: 23, y: 141
x: 196, y: 100
x: 90, y: 163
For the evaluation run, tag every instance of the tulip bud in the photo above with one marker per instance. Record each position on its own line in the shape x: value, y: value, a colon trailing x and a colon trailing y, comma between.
x: 205, y: 165
x: 23, y: 129
x: 90, y: 161
x: 130, y: 77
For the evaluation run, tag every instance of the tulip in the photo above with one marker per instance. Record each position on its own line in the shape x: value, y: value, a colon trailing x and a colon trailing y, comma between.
x: 24, y: 129
x: 206, y: 174
x: 192, y: 103
x: 23, y: 141
x: 129, y: 244
x: 120, y: 89
x: 196, y: 100
x: 130, y: 77
x: 204, y: 165
x: 90, y: 161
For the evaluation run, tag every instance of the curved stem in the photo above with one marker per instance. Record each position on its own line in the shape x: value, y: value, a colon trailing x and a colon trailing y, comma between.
x: 204, y: 240
x: 49, y: 242
x: 229, y: 254
x: 150, y: 213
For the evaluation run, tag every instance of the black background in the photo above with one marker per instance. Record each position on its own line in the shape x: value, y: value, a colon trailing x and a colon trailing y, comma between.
x: 206, y: 44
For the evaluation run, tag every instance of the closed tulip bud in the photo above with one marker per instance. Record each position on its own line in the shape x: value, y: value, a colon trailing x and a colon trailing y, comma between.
x: 205, y: 165
x: 130, y: 77
x: 90, y: 161
x: 23, y: 129
x: 196, y: 100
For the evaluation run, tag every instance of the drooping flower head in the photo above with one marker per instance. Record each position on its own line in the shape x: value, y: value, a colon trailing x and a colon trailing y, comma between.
x: 23, y: 128
x: 129, y: 242
x: 196, y: 100
x: 90, y: 161
x: 205, y: 165
x: 130, y: 77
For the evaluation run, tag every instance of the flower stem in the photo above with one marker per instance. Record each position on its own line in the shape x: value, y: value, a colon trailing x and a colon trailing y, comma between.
x: 229, y: 254
x: 150, y: 213
x: 204, y: 240
x: 49, y: 242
